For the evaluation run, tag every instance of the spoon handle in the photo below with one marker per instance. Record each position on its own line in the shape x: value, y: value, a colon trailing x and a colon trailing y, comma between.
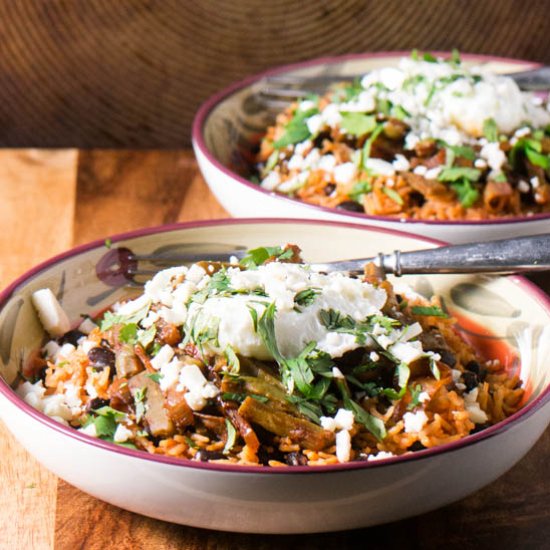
x: 521, y: 254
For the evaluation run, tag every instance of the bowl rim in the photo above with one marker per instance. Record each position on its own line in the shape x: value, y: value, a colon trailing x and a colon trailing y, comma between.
x: 202, y: 115
x: 8, y: 393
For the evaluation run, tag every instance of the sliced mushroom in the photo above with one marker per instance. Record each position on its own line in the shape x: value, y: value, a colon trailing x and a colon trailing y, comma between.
x: 156, y: 416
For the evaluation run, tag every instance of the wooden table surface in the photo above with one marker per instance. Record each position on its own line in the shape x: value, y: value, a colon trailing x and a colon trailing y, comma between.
x: 51, y: 200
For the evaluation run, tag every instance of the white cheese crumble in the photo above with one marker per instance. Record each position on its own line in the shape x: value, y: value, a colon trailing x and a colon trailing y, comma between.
x: 231, y: 319
x: 51, y: 314
x: 477, y: 415
x: 414, y: 422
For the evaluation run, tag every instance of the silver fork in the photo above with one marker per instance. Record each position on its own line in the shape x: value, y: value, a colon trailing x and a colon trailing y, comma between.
x: 278, y: 91
x: 517, y: 255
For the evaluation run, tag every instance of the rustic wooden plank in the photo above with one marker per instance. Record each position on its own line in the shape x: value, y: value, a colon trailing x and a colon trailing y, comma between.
x: 512, y: 512
x: 515, y: 508
x: 67, y: 77
x: 123, y: 190
x: 37, y: 190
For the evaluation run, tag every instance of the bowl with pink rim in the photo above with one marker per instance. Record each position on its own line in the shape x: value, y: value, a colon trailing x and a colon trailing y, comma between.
x: 505, y: 312
x: 229, y: 125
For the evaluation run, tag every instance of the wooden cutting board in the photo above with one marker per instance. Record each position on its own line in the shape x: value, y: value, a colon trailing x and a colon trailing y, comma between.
x: 51, y: 200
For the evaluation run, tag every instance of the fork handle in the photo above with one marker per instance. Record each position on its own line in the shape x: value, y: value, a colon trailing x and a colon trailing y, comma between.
x: 520, y: 254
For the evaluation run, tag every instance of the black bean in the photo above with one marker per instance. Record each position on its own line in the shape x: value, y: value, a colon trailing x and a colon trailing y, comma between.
x: 417, y: 446
x: 296, y: 459
x: 329, y: 189
x: 351, y: 206
x: 204, y: 456
x: 447, y: 356
x: 101, y: 357
x: 479, y: 428
x: 471, y: 380
x: 97, y: 403
x: 71, y: 337
x: 473, y: 366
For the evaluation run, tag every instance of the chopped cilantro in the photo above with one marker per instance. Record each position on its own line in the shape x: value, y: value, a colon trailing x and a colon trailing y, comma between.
x: 434, y: 368
x: 429, y: 58
x: 368, y: 143
x: 146, y: 337
x: 458, y: 173
x: 501, y: 178
x: 139, y: 400
x: 538, y: 159
x: 296, y: 130
x: 466, y: 193
x: 306, y: 297
x: 434, y: 311
x: 271, y: 161
x: 415, y: 396
x: 232, y: 360
x: 258, y: 256
x: 358, y: 124
x: 359, y: 189
x: 108, y: 243
x: 455, y: 57
x: 254, y: 315
x: 490, y: 130
x: 106, y: 422
x: 231, y: 436
x: 393, y: 195
x: 128, y: 333
x: 155, y: 376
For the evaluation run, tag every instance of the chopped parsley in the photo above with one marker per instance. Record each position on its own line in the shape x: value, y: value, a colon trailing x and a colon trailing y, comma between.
x: 258, y: 256
x: 393, y: 195
x: 434, y: 311
x: 358, y: 124
x: 467, y: 194
x: 457, y: 173
x: 296, y: 130
x: 306, y: 297
x: 490, y: 130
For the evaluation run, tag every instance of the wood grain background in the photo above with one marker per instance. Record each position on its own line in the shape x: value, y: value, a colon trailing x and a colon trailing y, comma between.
x: 131, y: 73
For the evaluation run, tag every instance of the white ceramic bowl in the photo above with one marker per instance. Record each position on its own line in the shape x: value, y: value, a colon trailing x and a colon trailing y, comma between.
x: 230, y: 121
x: 285, y: 500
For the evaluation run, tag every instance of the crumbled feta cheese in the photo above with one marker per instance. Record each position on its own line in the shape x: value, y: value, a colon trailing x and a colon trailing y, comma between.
x: 380, y: 456
x: 494, y: 156
x: 420, y: 170
x: 51, y: 349
x: 163, y: 357
x: 51, y: 314
x: 407, y: 352
x: 199, y: 390
x: 314, y: 124
x: 535, y: 182
x: 433, y: 173
x: 344, y: 173
x: 122, y: 434
x: 344, y: 419
x: 90, y: 430
x: 414, y: 422
x: 477, y: 415
x: 480, y: 164
x: 374, y: 356
x: 271, y: 181
x: 343, y: 446
x: 523, y: 186
x: 87, y: 326
x: 380, y: 167
x: 401, y: 164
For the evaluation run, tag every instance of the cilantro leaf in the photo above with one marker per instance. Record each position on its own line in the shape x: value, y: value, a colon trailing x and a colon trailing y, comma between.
x: 434, y: 311
x: 466, y: 193
x: 458, y: 173
x: 358, y: 124
x: 368, y: 143
x: 359, y: 189
x: 393, y: 195
x: 538, y: 159
x: 232, y: 360
x: 128, y: 333
x: 296, y: 130
x: 258, y: 256
x: 231, y: 436
x: 306, y: 297
x: 490, y: 130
